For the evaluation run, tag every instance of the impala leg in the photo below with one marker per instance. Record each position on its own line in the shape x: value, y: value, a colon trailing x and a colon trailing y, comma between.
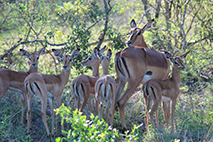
x: 122, y: 102
x: 157, y: 100
x: 24, y: 103
x: 166, y: 111
x: 111, y: 114
x: 86, y: 95
x: 29, y: 119
x: 100, y: 110
x: 3, y: 88
x: 107, y: 111
x: 58, y: 100
x: 96, y: 103
x: 77, y: 102
x: 156, y: 117
x: 43, y: 113
x: 91, y: 104
x: 119, y: 89
x: 52, y: 114
x: 146, y: 118
x: 173, y: 113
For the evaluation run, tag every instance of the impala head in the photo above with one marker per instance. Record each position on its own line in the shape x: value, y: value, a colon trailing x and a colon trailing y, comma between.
x: 67, y: 59
x: 93, y: 59
x: 34, y: 56
x: 105, y: 59
x: 136, y: 34
x: 178, y: 61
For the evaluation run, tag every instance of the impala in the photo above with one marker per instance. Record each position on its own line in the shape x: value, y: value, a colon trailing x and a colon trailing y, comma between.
x: 48, y: 87
x: 105, y: 88
x: 84, y: 85
x: 165, y: 91
x: 13, y: 80
x: 137, y: 64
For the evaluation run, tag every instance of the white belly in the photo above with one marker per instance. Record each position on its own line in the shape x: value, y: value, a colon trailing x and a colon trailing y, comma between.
x: 165, y: 99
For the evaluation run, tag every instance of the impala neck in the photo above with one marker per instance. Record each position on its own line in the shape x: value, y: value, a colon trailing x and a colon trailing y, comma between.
x: 175, y: 75
x: 64, y: 75
x: 32, y: 69
x: 95, y: 69
x: 105, y: 70
x: 142, y: 43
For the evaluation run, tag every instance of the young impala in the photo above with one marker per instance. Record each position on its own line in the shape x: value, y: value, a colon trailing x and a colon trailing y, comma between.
x: 84, y: 85
x: 13, y: 80
x: 165, y: 91
x: 105, y: 88
x: 137, y: 64
x: 48, y: 87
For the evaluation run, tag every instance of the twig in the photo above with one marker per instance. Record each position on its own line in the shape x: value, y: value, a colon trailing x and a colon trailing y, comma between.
x: 106, y: 22
x: 194, y: 18
x: 94, y: 24
x: 199, y: 40
x: 7, y: 16
x: 184, y: 34
x: 11, y: 49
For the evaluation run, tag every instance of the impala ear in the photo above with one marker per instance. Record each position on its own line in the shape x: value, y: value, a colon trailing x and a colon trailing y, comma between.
x: 184, y: 54
x: 168, y: 55
x: 109, y: 53
x: 132, y: 24
x: 41, y: 51
x: 57, y: 53
x: 95, y: 51
x: 75, y: 53
x: 101, y: 51
x: 24, y: 53
x: 147, y: 25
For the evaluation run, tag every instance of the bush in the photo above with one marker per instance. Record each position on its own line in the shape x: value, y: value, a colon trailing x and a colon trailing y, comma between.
x: 82, y: 129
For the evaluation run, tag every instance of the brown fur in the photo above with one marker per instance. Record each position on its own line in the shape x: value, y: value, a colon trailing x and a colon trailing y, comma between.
x: 84, y: 85
x: 48, y: 87
x: 156, y: 89
x: 13, y: 80
x: 105, y: 90
x: 132, y: 64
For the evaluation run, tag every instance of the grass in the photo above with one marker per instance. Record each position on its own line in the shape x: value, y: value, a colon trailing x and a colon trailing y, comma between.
x: 193, y: 117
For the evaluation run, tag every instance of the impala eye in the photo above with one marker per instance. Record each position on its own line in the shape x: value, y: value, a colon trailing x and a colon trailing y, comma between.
x: 37, y: 57
x: 176, y: 62
x: 30, y: 58
x: 89, y: 58
x: 70, y: 59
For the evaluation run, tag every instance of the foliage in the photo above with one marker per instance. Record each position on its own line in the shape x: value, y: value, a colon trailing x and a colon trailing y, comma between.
x: 93, y: 130
x: 179, y: 26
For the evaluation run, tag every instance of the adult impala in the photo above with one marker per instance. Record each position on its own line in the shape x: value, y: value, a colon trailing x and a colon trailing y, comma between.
x: 165, y: 91
x: 48, y: 87
x: 105, y: 88
x: 13, y: 80
x: 137, y: 64
x: 84, y: 85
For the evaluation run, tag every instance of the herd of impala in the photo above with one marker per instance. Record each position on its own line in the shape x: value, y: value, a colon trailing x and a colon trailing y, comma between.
x: 134, y: 65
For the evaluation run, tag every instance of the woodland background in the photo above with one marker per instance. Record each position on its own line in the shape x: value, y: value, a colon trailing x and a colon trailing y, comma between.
x: 180, y: 25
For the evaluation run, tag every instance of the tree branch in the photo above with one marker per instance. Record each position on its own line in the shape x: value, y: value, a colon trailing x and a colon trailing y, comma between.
x: 106, y: 22
x: 194, y: 18
x: 146, y: 9
x: 199, y: 40
x: 184, y: 34
x: 11, y: 49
